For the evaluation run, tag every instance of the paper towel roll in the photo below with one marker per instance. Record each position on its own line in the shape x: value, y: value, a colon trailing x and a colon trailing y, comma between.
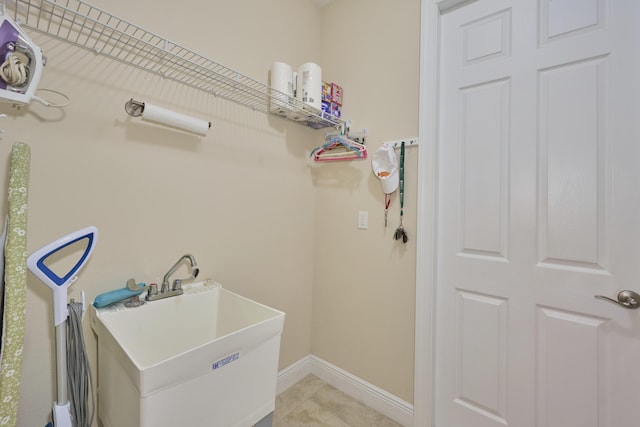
x: 310, y: 85
x: 170, y: 118
x: 281, y: 81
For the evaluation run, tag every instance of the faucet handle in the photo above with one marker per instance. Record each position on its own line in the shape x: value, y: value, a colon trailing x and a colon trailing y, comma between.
x: 177, y: 285
x: 152, y: 290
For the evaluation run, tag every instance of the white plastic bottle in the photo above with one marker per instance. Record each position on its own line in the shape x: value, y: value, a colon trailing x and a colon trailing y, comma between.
x: 310, y: 85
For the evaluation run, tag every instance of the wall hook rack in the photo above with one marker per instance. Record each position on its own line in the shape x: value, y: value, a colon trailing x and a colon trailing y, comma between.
x: 409, y: 142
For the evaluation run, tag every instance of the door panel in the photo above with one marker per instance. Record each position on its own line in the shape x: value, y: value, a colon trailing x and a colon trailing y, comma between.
x: 573, y: 191
x: 568, y: 362
x: 538, y: 211
x: 481, y: 364
x: 484, y: 131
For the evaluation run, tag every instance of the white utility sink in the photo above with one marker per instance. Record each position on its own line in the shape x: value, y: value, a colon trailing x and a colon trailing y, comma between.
x: 206, y: 358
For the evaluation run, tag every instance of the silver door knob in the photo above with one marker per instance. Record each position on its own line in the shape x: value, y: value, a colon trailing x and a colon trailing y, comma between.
x: 627, y: 299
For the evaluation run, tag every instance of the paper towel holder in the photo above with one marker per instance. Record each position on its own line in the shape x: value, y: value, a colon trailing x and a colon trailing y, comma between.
x: 136, y: 109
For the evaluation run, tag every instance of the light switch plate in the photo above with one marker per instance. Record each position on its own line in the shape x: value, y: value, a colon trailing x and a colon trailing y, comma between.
x: 363, y: 220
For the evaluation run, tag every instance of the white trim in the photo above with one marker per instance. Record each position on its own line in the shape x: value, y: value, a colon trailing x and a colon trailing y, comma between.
x: 424, y: 381
x: 361, y: 390
x: 367, y: 393
x: 293, y: 373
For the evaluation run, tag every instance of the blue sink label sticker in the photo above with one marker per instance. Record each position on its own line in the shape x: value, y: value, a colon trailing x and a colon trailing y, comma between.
x: 225, y: 361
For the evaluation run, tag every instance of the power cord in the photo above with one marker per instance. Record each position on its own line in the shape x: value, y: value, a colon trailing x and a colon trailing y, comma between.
x: 15, y: 69
x: 49, y: 104
x: 78, y: 370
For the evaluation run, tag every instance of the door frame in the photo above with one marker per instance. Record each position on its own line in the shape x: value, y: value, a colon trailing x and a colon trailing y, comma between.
x: 426, y: 234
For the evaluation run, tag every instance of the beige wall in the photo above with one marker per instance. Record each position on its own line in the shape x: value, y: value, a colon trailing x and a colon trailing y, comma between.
x: 364, y: 282
x: 245, y: 200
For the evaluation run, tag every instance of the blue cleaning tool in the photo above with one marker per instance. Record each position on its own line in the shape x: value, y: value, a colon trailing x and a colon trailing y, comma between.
x: 37, y: 263
x: 117, y: 295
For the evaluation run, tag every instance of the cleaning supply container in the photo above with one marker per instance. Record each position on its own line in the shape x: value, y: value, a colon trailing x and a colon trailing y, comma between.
x: 309, y: 87
x: 283, y: 85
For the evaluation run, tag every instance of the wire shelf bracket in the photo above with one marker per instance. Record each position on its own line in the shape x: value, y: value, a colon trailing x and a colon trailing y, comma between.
x: 81, y: 24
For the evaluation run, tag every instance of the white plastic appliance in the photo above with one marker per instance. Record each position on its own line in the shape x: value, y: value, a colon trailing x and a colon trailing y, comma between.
x: 37, y: 263
x: 21, y: 64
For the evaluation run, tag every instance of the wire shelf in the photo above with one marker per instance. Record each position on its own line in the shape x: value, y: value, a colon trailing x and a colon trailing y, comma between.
x: 84, y: 25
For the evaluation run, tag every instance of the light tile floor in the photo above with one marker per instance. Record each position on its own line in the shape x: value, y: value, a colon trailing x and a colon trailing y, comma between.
x: 313, y: 403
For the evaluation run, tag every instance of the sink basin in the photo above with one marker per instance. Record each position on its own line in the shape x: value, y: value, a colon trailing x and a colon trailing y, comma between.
x: 207, y: 357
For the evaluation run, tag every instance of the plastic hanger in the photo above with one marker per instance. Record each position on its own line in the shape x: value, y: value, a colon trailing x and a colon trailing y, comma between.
x: 339, y: 147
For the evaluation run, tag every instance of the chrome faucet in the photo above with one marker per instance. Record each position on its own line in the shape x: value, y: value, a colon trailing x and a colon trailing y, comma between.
x: 176, y: 289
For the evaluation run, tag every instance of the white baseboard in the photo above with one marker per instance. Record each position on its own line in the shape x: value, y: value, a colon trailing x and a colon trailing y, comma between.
x: 367, y: 393
x: 293, y: 373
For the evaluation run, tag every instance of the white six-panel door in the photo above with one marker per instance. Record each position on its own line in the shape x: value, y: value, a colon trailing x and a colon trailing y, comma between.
x: 538, y: 212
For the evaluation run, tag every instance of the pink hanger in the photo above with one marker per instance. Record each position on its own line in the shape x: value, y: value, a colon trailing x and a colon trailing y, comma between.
x: 339, y: 148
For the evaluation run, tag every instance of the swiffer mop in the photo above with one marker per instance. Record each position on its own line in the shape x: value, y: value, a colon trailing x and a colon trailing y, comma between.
x: 59, y: 285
